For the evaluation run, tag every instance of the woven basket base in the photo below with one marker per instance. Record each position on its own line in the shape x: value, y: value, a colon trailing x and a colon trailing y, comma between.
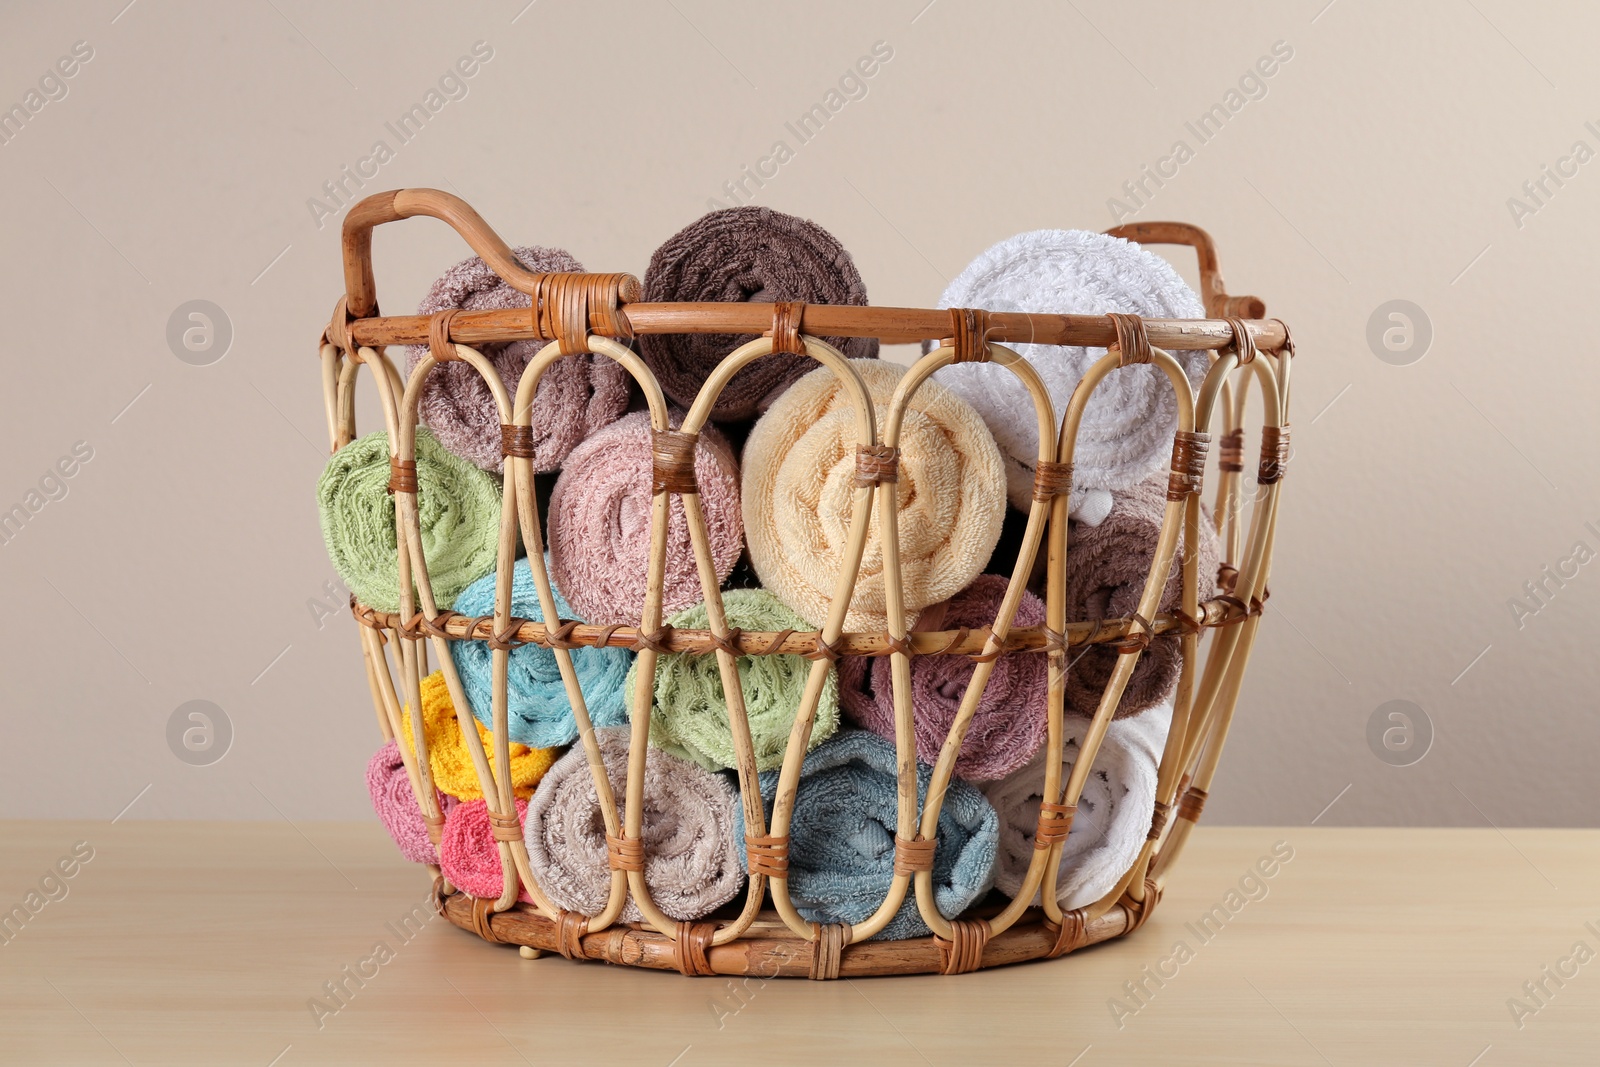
x: 769, y: 949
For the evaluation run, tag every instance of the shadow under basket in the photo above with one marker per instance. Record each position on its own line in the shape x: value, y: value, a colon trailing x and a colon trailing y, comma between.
x: 764, y: 934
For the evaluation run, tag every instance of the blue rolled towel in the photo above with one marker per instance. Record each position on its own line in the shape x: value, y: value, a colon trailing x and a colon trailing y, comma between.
x: 539, y: 714
x: 841, y: 848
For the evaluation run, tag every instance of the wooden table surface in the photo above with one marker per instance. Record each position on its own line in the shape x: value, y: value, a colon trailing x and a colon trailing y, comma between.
x: 206, y: 943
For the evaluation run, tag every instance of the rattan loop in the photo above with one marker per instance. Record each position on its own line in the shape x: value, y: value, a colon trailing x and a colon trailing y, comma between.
x: 969, y: 335
x: 1244, y: 342
x: 482, y: 919
x: 691, y: 949
x: 505, y: 827
x: 1192, y: 803
x: 1230, y: 449
x: 439, y: 345
x: 1071, y: 933
x: 786, y: 315
x: 1138, y: 637
x: 570, y: 928
x: 1158, y: 821
x: 1139, y: 911
x: 338, y: 332
x: 516, y: 441
x: 672, y: 461
x: 655, y: 642
x: 823, y: 650
x: 767, y: 855
x: 1133, y: 342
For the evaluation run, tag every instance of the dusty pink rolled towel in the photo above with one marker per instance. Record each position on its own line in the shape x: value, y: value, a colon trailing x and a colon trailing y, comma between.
x: 577, y: 395
x: 1009, y: 725
x: 599, y: 522
x: 468, y: 854
x: 396, y: 804
x: 1106, y: 569
x: 742, y: 254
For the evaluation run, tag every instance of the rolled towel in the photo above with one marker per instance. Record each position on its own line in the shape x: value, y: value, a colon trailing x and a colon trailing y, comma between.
x: 538, y: 711
x: 600, y: 522
x: 1106, y: 569
x: 799, y: 484
x: 692, y: 857
x: 746, y: 254
x: 576, y: 396
x: 1113, y: 812
x: 1009, y: 725
x: 448, y: 758
x: 458, y: 511
x: 468, y: 854
x: 690, y: 715
x: 396, y: 804
x: 841, y: 847
x: 1128, y: 426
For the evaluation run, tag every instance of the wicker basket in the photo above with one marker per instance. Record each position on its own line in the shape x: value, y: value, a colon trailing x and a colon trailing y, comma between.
x: 598, y: 313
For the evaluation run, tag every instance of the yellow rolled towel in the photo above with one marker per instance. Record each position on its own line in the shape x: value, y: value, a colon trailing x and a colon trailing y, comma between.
x: 799, y: 481
x: 448, y: 757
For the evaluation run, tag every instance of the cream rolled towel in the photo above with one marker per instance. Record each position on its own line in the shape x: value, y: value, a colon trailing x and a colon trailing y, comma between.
x: 692, y: 857
x: 1113, y: 812
x: 799, y: 484
x: 1128, y: 426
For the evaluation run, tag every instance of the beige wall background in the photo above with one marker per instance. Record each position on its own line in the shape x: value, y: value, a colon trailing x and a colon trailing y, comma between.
x: 1377, y: 164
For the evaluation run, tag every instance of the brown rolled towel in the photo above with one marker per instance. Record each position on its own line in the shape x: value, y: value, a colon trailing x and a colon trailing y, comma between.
x: 577, y: 395
x: 744, y: 254
x: 1106, y: 569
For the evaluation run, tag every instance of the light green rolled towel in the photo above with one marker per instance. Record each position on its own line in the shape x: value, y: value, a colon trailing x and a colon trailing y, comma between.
x: 458, y: 508
x: 690, y: 717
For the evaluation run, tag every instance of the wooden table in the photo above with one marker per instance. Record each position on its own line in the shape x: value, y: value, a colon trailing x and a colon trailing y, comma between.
x: 206, y: 943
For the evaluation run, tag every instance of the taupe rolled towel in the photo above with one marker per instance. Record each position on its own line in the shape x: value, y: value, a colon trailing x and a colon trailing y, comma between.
x: 577, y: 395
x: 1106, y: 569
x: 746, y: 254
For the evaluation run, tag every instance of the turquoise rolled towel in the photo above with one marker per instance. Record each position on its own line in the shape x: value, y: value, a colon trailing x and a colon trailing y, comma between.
x: 841, y: 838
x: 458, y: 510
x: 539, y: 714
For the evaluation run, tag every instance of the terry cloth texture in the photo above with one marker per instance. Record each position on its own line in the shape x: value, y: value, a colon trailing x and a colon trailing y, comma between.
x: 692, y: 856
x: 744, y: 254
x: 1009, y: 725
x: 538, y: 711
x: 1113, y: 813
x: 448, y: 758
x: 396, y: 804
x: 577, y: 395
x: 1106, y: 569
x: 599, y: 522
x: 1128, y: 426
x: 468, y: 854
x: 799, y: 486
x: 458, y: 510
x: 841, y: 850
x: 690, y: 715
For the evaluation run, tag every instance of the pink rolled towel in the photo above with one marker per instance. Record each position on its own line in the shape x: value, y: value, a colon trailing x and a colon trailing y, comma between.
x: 468, y: 854
x: 1106, y: 569
x: 599, y: 524
x: 1009, y: 725
x: 396, y: 804
x: 577, y: 395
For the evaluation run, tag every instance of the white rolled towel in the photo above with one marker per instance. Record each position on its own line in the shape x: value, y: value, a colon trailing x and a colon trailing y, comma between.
x: 1127, y: 428
x: 1114, y: 811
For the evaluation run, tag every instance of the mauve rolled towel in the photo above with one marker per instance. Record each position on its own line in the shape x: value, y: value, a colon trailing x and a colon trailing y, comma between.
x: 745, y: 254
x: 577, y: 395
x: 1106, y: 568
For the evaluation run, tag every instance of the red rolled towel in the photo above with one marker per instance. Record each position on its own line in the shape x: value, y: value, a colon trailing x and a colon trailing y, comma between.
x: 599, y: 524
x: 396, y: 804
x: 744, y: 254
x: 1106, y: 569
x: 1009, y: 725
x: 577, y: 395
x: 468, y: 853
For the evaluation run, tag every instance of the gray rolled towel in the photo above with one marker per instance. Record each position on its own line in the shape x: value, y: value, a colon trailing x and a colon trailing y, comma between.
x: 692, y: 856
x: 1106, y: 570
x: 577, y: 395
x: 743, y: 254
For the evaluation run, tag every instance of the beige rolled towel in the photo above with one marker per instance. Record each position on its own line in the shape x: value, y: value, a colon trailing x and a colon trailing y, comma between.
x: 799, y: 469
